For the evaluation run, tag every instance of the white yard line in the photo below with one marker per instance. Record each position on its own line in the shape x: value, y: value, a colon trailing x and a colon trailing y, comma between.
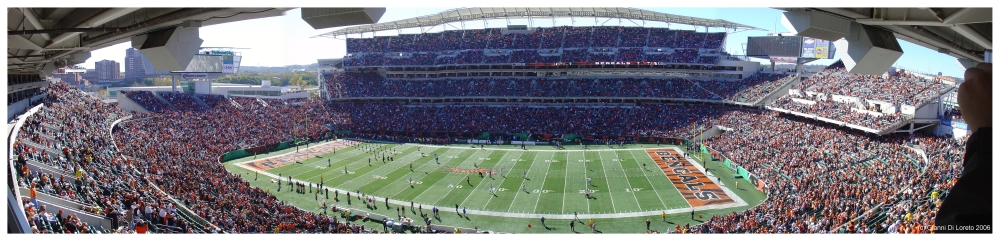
x: 481, y: 184
x: 565, y: 183
x: 501, y: 180
x: 607, y: 180
x: 626, y: 180
x: 388, y: 164
x: 460, y: 182
x: 349, y: 163
x: 651, y: 181
x: 446, y: 176
x: 543, y: 184
x: 421, y: 166
x: 533, y: 162
x: 397, y: 179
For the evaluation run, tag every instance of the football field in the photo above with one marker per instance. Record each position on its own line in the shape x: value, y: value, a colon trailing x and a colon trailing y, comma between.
x: 502, y: 181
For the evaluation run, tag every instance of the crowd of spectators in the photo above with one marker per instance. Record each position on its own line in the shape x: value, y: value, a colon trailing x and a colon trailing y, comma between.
x: 578, y: 40
x: 75, y: 128
x: 146, y: 100
x: 414, y: 59
x: 215, y: 100
x: 469, y: 57
x: 401, y: 43
x: 827, y: 177
x: 630, y: 54
x: 575, y: 55
x: 430, y: 42
x: 601, y: 57
x: 552, y: 38
x: 498, y: 40
x: 714, y: 40
x: 367, y: 45
x: 370, y: 59
x: 633, y: 37
x: 708, y: 59
x: 182, y: 101
x: 687, y: 39
x: 749, y: 90
x: 605, y: 36
x: 840, y: 112
x: 528, y: 56
x: 684, y: 56
x: 496, y: 59
x: 953, y: 114
x: 661, y: 37
x: 896, y: 88
x: 532, y: 40
x: 576, y: 37
x: 473, y: 38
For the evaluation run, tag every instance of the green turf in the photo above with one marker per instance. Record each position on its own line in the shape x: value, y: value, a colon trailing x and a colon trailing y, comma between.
x: 554, y: 184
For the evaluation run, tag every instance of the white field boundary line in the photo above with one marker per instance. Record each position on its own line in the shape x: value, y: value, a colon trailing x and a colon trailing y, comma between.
x: 542, y: 187
x: 531, y: 215
x: 717, y: 181
x: 651, y: 181
x: 480, y: 186
x: 520, y: 153
x: 626, y: 180
x: 350, y: 161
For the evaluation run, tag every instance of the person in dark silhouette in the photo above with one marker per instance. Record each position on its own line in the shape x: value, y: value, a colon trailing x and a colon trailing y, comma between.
x: 968, y: 208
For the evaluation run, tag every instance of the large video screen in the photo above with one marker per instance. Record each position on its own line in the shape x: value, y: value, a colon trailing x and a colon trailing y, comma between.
x: 205, y: 64
x: 774, y: 46
x: 816, y: 48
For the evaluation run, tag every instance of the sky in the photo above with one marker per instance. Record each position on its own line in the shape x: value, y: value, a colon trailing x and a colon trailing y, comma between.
x: 288, y: 40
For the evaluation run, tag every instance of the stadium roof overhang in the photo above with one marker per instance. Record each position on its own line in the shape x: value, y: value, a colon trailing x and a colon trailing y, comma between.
x: 964, y: 33
x: 479, y: 14
x: 64, y: 36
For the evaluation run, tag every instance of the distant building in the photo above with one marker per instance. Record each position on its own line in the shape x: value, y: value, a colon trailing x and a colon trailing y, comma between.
x: 108, y: 70
x: 138, y: 67
x: 91, y: 74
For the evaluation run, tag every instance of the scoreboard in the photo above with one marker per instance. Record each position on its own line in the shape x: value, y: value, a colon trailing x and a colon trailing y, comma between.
x: 774, y: 46
x: 814, y: 48
x: 789, y: 47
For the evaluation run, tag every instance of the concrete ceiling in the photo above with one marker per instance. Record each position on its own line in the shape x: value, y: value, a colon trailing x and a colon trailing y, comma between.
x: 63, y: 36
x: 964, y: 33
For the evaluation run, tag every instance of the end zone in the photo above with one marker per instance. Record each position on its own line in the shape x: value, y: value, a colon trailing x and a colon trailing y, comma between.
x: 696, y: 188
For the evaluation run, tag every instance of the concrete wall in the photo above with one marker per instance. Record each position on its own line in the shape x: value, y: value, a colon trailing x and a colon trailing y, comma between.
x: 749, y: 67
x: 129, y: 105
x: 19, y: 107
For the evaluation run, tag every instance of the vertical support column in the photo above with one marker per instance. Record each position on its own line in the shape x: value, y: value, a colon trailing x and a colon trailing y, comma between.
x: 173, y: 83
